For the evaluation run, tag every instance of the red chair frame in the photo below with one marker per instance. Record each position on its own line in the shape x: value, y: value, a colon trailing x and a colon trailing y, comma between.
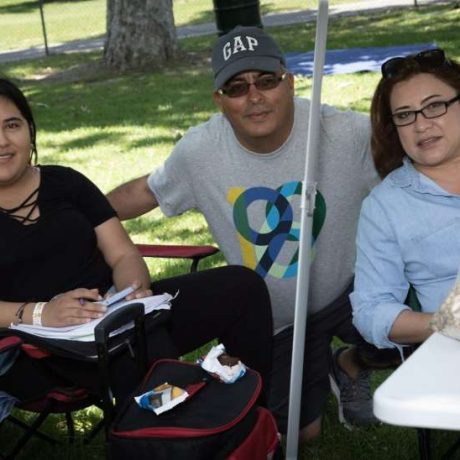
x: 175, y: 251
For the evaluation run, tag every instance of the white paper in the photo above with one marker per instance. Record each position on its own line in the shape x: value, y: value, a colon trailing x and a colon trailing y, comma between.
x: 85, y: 332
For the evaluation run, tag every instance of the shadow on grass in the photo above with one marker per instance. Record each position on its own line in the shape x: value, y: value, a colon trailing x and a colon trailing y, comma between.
x: 171, y: 101
x: 187, y: 228
x: 26, y: 6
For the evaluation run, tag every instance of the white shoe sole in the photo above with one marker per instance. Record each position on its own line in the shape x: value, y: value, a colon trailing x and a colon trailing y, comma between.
x: 336, y: 392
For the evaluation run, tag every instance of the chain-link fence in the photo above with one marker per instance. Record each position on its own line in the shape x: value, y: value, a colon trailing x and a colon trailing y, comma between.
x: 38, y: 23
x: 28, y: 24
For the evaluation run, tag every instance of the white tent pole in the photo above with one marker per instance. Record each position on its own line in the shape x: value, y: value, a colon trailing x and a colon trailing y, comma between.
x: 307, y: 206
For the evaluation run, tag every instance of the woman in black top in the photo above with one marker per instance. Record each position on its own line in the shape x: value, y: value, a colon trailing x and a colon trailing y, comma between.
x: 58, y: 235
x: 62, y: 247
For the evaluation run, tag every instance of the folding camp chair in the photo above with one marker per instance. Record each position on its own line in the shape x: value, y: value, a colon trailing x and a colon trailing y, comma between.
x: 58, y: 401
x: 65, y: 400
x: 70, y: 399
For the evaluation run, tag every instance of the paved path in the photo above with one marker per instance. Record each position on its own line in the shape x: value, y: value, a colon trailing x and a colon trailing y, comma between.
x: 268, y: 20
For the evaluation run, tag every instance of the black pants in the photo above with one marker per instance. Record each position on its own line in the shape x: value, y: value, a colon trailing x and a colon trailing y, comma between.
x: 334, y: 320
x: 229, y: 303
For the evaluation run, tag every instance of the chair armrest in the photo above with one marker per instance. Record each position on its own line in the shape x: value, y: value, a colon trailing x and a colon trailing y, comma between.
x: 178, y: 251
x: 133, y: 312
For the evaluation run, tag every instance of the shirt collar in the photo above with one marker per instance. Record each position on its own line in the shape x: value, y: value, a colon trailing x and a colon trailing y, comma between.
x: 407, y: 176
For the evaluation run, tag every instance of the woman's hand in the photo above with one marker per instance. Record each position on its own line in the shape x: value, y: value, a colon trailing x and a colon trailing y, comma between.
x: 128, y: 267
x: 139, y: 292
x: 73, y: 308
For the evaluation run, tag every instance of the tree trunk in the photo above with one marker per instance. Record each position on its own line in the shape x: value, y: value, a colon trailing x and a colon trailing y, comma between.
x: 140, y: 34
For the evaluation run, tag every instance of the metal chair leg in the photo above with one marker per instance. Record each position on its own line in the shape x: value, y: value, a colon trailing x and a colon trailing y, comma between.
x: 94, y: 432
x: 424, y: 447
x: 70, y: 427
x: 31, y: 431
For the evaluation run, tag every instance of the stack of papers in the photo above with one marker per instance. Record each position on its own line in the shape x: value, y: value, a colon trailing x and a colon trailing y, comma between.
x: 85, y: 332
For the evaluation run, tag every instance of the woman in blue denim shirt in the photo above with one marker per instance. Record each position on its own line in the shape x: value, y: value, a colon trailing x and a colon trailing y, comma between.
x: 409, y: 228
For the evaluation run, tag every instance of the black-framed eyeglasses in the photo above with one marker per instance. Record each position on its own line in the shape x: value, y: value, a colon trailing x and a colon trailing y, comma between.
x: 428, y: 58
x: 432, y: 110
x: 264, y: 82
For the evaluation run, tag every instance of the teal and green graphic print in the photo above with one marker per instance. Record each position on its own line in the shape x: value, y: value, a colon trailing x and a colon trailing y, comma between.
x: 261, y: 247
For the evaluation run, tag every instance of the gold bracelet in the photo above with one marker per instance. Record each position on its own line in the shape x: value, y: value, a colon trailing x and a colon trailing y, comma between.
x: 18, y: 316
x: 37, y: 313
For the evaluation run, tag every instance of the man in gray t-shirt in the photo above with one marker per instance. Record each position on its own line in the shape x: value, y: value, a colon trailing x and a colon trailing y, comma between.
x: 243, y: 170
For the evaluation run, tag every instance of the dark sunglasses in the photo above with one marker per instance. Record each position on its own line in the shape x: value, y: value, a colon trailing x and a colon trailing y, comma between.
x: 264, y: 82
x: 429, y: 58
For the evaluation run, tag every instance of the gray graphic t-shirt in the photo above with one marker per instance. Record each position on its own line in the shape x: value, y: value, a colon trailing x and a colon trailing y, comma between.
x: 252, y: 201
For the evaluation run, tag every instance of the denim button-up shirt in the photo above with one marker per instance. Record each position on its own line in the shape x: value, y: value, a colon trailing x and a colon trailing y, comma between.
x: 408, y: 234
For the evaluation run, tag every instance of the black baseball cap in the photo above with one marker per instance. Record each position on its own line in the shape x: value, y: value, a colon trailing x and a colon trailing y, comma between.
x: 243, y: 49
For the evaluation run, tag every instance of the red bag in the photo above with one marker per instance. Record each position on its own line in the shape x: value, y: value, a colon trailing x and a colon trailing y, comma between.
x: 262, y: 442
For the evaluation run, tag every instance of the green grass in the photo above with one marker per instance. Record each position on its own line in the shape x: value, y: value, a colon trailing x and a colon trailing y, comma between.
x: 382, y: 442
x: 113, y: 127
x: 67, y: 20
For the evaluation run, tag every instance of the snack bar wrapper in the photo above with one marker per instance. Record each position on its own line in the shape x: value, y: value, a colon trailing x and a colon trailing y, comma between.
x: 226, y: 368
x: 447, y: 319
x: 162, y: 398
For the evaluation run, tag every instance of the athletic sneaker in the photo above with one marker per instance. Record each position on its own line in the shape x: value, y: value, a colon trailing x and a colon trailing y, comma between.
x: 353, y: 396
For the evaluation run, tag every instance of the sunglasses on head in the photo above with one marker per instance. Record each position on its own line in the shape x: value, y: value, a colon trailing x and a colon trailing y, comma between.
x: 429, y: 59
x: 264, y: 82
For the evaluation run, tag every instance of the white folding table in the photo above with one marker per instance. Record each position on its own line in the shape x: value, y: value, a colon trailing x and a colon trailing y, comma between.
x: 424, y: 392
